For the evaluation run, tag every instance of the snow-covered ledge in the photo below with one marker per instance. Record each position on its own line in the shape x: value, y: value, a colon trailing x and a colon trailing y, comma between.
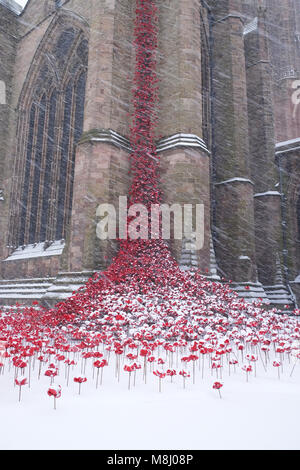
x: 37, y: 250
x: 251, y: 26
x: 287, y: 146
x: 182, y: 140
x: 15, y: 7
x: 267, y: 193
x: 235, y: 180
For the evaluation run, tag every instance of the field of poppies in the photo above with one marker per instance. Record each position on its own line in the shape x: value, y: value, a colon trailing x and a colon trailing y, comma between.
x: 146, y: 356
x: 190, y: 351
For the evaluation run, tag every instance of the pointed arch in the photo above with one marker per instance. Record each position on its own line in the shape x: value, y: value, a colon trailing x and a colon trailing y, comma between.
x: 62, y: 20
x: 36, y: 164
x: 50, y: 124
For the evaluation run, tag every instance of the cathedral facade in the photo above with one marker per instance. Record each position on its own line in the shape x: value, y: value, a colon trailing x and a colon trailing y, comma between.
x: 228, y: 137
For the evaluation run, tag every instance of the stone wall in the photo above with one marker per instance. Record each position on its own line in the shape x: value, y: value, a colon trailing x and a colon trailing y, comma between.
x: 241, y: 162
x: 8, y: 46
x: 179, y: 67
x: 110, y: 25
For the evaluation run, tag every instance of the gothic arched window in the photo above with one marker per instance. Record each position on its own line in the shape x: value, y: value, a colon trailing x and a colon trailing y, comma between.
x: 50, y: 126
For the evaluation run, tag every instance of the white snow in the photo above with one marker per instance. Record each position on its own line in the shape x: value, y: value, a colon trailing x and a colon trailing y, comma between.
x: 288, y: 142
x: 251, y: 26
x: 263, y: 413
x: 235, y: 180
x: 37, y: 250
x: 267, y: 193
x: 181, y: 140
x: 22, y: 2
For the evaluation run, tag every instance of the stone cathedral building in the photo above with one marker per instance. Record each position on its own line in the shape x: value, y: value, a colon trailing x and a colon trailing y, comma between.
x: 228, y: 137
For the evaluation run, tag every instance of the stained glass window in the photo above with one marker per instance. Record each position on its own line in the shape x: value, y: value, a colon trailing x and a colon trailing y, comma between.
x: 50, y: 136
x: 65, y: 151
x: 54, y: 127
x: 28, y: 157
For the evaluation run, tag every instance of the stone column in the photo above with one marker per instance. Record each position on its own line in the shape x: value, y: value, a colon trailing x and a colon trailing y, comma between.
x: 102, y: 157
x: 234, y: 212
x: 185, y: 159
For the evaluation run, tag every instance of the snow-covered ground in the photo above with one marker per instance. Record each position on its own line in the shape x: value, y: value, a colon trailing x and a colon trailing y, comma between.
x: 189, y: 327
x: 263, y: 413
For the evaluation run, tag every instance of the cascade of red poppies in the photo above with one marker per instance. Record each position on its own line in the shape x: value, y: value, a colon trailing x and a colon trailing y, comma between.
x: 144, y: 160
x: 143, y: 258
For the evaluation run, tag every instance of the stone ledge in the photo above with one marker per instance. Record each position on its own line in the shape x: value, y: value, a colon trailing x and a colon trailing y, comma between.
x: 236, y: 179
x: 180, y: 139
x: 287, y: 146
x: 276, y: 296
x: 36, y: 250
x: 108, y: 136
x: 12, y: 6
x: 49, y: 291
x: 23, y: 290
x: 46, y: 290
x: 267, y: 193
x: 65, y: 284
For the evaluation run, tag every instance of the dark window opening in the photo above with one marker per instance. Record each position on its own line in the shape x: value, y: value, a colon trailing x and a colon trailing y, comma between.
x: 37, y: 164
x: 52, y: 129
x: 24, y: 198
x: 48, y: 166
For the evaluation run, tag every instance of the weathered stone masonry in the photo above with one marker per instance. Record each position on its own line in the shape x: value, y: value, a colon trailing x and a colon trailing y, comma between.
x: 228, y: 136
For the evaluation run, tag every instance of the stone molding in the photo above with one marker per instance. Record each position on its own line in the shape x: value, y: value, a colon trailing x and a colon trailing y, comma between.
x: 180, y: 139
